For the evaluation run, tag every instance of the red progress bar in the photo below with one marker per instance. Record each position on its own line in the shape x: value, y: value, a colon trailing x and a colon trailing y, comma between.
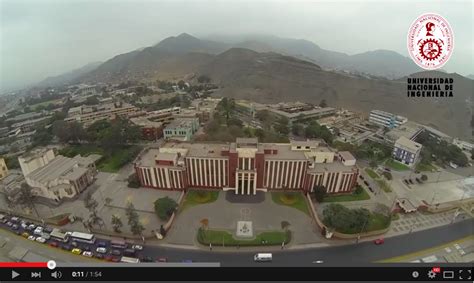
x: 23, y: 264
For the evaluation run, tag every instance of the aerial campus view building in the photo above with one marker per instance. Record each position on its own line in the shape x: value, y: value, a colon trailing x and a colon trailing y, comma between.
x: 247, y: 166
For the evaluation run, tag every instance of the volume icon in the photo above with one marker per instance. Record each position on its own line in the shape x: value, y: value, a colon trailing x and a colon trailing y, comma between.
x: 56, y: 274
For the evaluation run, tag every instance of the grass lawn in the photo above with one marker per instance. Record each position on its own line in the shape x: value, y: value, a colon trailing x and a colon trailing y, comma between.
x: 384, y: 185
x: 352, y: 197
x: 109, y: 162
x: 372, y: 173
x: 296, y: 200
x: 396, y: 165
x: 217, y: 238
x: 377, y: 221
x: 199, y: 197
x: 422, y: 167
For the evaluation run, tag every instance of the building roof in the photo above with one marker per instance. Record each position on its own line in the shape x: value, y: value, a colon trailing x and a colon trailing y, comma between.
x: 144, y: 122
x: 408, y: 144
x: 182, y: 123
x: 346, y: 155
x: 167, y: 156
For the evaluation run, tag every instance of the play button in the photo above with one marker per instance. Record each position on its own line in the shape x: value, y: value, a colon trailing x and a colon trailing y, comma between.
x: 15, y: 274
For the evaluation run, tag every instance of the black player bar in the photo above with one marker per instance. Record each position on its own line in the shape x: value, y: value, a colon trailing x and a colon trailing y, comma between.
x: 238, y: 274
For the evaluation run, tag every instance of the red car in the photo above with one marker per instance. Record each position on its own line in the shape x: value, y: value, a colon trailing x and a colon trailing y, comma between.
x: 108, y: 257
x: 379, y: 241
x: 53, y: 244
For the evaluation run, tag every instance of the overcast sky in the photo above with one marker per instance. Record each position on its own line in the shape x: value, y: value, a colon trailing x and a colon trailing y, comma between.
x: 40, y: 38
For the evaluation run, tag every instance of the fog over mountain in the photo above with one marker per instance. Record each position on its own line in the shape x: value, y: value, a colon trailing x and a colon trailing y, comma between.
x: 269, y: 76
x: 44, y: 38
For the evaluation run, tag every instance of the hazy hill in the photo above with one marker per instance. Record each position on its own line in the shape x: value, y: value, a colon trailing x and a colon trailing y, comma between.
x: 383, y: 63
x: 273, y: 77
x: 68, y: 77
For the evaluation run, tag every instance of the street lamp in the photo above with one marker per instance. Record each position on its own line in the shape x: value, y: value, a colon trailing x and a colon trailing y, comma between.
x: 361, y: 230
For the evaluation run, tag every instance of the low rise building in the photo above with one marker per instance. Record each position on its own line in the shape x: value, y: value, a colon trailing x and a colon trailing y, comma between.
x: 181, y: 129
x: 87, y: 115
x: 386, y: 119
x: 11, y: 185
x: 57, y: 177
x: 150, y: 130
x: 247, y: 166
x: 406, y: 151
x: 164, y: 116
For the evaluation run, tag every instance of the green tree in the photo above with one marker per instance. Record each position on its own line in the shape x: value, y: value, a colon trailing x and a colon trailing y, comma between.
x: 319, y: 192
x: 92, y: 100
x: 346, y: 220
x: 164, y: 207
x: 27, y: 198
x: 181, y: 84
x: 116, y: 223
x: 297, y: 129
x: 133, y: 220
x: 133, y: 181
x: 424, y: 177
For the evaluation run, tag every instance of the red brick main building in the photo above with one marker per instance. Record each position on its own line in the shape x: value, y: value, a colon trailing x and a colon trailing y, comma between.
x: 247, y: 166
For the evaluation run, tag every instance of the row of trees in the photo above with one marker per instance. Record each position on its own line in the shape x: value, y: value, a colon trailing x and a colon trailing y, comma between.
x: 312, y: 129
x: 110, y: 135
x: 440, y: 151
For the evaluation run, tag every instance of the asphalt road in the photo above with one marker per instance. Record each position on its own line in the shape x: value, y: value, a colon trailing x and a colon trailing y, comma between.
x: 362, y: 253
x: 353, y: 254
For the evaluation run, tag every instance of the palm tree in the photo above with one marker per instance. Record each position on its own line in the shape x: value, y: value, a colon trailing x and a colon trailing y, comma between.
x: 27, y: 197
x: 117, y: 223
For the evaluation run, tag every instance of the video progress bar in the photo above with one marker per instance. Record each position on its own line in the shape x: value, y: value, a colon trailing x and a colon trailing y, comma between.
x: 143, y: 264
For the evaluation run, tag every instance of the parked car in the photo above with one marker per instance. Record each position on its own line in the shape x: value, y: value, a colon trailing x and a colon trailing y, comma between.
x: 31, y: 227
x: 74, y: 244
x: 115, y: 259
x: 147, y: 259
x: 54, y: 244
x: 9, y: 224
x: 31, y: 238
x: 101, y: 250
x: 23, y: 225
x: 4, y: 220
x: 87, y: 254
x: 162, y: 259
x: 108, y: 257
x: 76, y: 251
x: 102, y: 244
x: 99, y: 256
x: 25, y: 234
x: 379, y: 241
x: 46, y: 236
x: 129, y: 252
x: 15, y: 226
x: 38, y: 230
x: 116, y: 252
x: 137, y: 247
x: 66, y: 247
x: 15, y: 219
x: 48, y: 229
x: 41, y: 240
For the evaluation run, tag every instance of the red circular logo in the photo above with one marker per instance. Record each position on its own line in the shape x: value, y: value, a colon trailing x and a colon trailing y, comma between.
x: 430, y: 41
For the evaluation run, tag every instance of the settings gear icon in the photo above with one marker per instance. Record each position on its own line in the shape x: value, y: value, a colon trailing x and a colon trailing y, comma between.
x: 430, y: 49
x: 431, y: 274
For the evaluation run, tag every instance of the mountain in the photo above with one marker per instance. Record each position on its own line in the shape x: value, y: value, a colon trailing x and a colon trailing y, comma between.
x: 271, y: 77
x: 68, y: 77
x: 384, y: 63
x: 470, y: 76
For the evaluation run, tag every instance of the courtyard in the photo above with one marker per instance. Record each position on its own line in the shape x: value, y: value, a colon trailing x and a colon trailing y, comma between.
x: 228, y: 209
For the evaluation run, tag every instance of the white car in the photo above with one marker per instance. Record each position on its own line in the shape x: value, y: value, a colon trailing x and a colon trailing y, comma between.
x: 31, y: 227
x: 31, y: 238
x: 38, y: 230
x: 457, y: 246
x: 23, y: 225
x: 101, y: 250
x: 137, y: 247
x: 41, y: 240
x: 87, y: 253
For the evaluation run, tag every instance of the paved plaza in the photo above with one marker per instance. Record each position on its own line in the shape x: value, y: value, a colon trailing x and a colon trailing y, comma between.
x: 222, y: 214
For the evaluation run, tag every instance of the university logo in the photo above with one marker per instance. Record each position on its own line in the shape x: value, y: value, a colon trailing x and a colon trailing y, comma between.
x: 430, y: 41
